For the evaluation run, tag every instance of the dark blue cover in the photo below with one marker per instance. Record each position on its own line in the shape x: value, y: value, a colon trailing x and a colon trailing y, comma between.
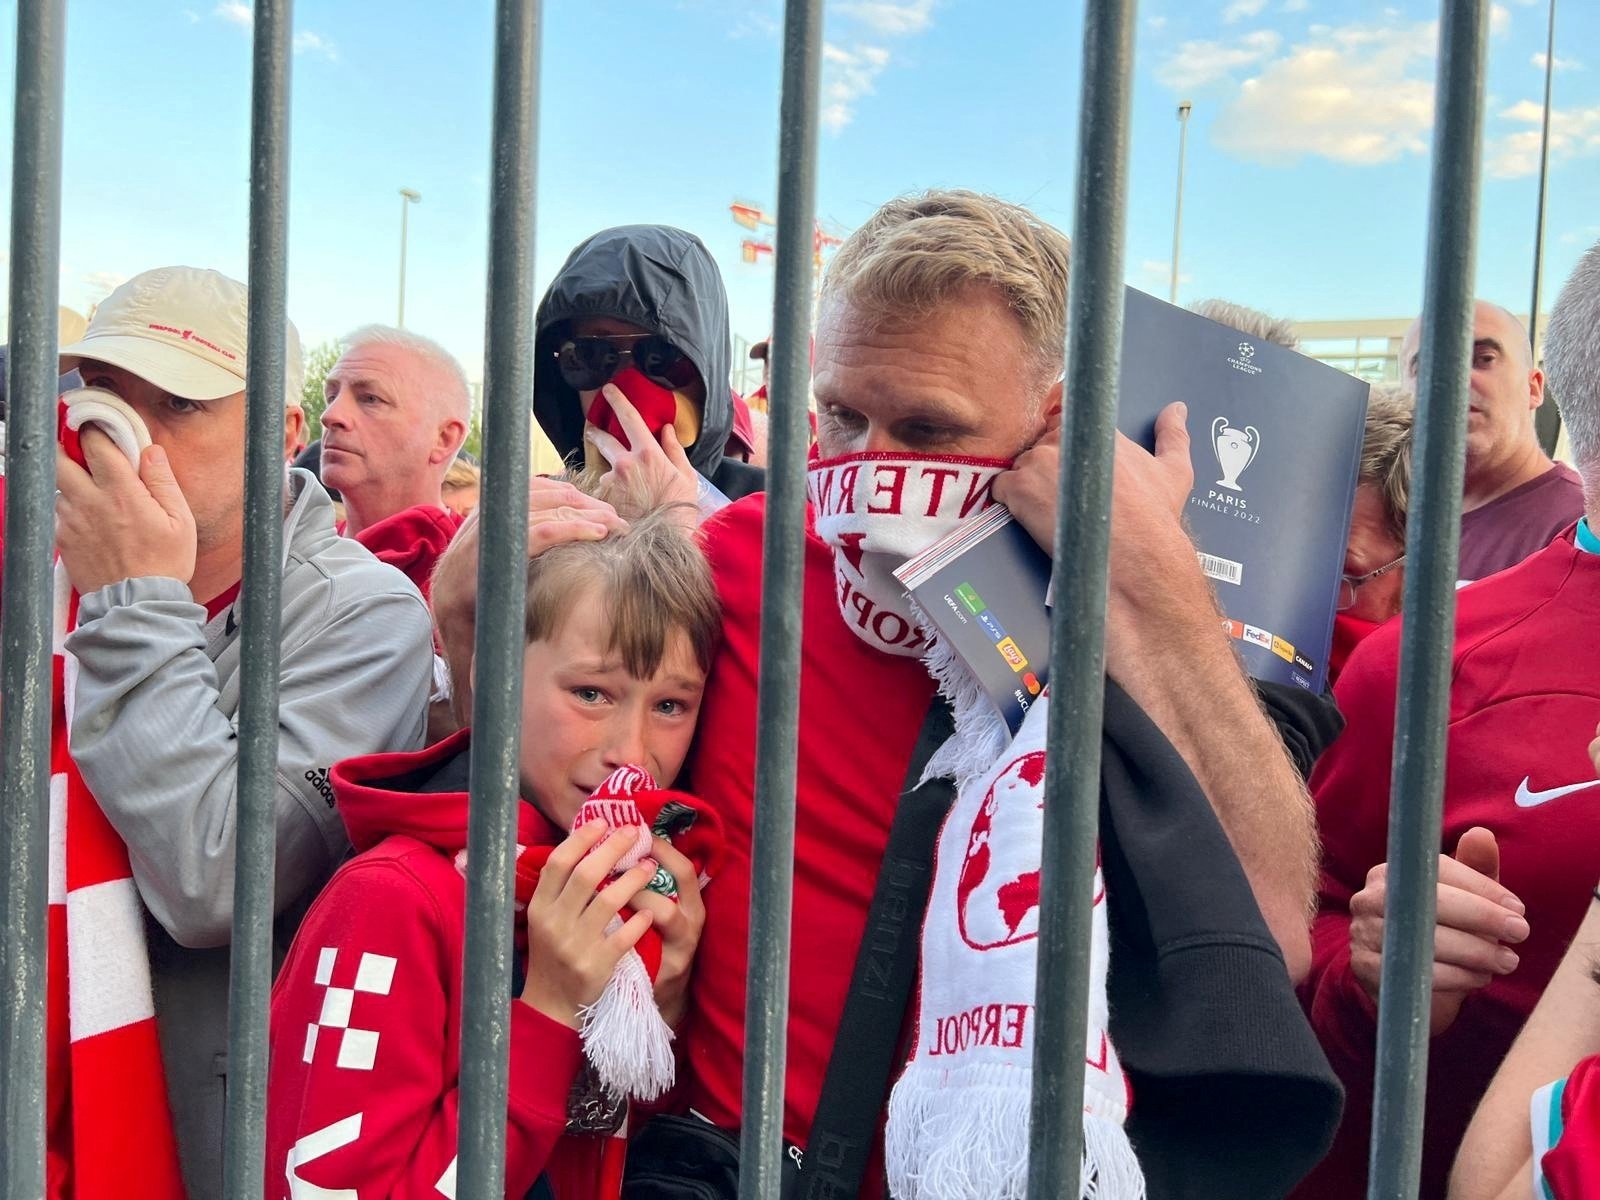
x: 988, y: 604
x: 1276, y: 445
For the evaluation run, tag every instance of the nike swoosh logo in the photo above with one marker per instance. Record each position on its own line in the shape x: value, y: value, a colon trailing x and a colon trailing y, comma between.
x: 1530, y: 799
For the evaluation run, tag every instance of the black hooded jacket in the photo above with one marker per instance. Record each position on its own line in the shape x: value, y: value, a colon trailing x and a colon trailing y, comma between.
x: 661, y: 279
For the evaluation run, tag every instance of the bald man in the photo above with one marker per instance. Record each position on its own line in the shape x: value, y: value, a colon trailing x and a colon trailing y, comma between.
x: 1515, y: 499
x: 398, y: 411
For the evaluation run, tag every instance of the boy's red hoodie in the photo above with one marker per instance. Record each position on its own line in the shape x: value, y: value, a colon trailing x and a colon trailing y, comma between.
x: 366, y: 1012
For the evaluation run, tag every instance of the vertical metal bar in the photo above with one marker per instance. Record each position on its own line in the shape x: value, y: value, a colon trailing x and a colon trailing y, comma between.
x: 1417, y: 790
x: 783, y: 548
x: 1548, y: 417
x: 250, y: 968
x: 1077, y: 624
x: 25, y: 633
x: 1184, y: 108
x: 502, y: 589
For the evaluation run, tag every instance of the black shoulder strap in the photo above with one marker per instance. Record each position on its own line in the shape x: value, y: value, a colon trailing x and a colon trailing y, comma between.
x: 866, y: 1047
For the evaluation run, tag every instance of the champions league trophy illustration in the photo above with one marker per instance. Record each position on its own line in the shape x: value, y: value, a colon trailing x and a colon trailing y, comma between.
x: 1235, y: 448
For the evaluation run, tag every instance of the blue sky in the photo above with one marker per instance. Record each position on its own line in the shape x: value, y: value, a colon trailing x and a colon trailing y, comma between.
x: 1307, y: 167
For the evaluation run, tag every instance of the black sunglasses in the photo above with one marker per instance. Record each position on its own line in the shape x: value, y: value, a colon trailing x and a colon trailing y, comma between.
x: 588, y: 362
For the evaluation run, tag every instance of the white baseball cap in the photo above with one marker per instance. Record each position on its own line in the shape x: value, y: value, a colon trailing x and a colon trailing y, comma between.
x: 182, y: 329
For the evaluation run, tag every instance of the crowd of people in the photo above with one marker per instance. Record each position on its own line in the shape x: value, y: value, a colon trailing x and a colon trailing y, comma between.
x: 1240, y: 883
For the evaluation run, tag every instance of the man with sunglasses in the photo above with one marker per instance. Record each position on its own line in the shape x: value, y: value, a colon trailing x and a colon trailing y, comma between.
x: 643, y: 308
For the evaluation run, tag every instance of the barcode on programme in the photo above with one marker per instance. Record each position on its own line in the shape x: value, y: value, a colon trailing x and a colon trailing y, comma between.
x: 1222, y: 569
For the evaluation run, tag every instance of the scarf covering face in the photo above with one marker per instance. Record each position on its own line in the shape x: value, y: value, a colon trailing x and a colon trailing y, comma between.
x: 958, y: 1117
x: 107, y: 1115
x: 877, y: 510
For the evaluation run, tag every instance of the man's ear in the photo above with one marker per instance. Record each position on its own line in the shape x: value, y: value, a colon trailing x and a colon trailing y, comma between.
x: 1053, y: 400
x: 1535, y: 388
x: 294, y: 431
x: 451, y: 434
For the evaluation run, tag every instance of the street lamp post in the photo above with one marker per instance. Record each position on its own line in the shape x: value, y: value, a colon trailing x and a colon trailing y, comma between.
x: 408, y: 197
x: 1177, y: 217
x: 1548, y: 418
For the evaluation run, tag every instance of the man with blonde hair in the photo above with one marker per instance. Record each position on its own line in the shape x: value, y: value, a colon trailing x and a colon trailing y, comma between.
x: 398, y: 411
x: 938, y: 382
x: 147, y: 761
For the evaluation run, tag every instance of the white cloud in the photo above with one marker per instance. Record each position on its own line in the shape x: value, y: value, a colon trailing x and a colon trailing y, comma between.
x: 97, y: 285
x: 1295, y: 6
x: 307, y: 42
x: 1155, y: 24
x: 1355, y: 93
x: 193, y: 17
x: 1238, y: 10
x: 1574, y: 132
x: 890, y: 18
x: 238, y: 12
x: 848, y: 75
x: 1198, y: 63
x: 1562, y: 64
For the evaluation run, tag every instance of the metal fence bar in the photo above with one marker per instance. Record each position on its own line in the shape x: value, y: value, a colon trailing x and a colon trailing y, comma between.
x: 1547, y: 419
x: 1417, y: 792
x: 502, y: 590
x: 783, y: 550
x: 1077, y: 623
x: 261, y: 606
x: 27, y: 605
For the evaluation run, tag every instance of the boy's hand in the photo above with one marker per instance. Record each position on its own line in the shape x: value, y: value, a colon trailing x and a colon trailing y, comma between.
x: 570, y: 955
x: 679, y: 923
x: 559, y: 512
x: 1594, y: 750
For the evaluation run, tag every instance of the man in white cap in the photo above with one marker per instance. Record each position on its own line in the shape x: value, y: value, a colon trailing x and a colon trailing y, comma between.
x: 155, y: 554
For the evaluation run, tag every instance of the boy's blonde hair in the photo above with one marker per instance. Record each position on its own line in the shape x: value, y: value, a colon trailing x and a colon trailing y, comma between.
x: 653, y: 579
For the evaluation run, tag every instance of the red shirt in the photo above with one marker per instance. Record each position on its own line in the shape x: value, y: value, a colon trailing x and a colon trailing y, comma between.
x: 1523, y: 706
x: 860, y: 715
x: 412, y: 540
x: 1572, y: 1164
x: 1522, y: 522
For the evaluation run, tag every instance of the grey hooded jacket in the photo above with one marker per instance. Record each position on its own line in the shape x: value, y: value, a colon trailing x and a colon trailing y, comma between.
x: 155, y: 736
x: 661, y: 279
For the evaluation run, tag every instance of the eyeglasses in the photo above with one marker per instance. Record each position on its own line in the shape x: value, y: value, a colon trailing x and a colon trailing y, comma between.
x: 586, y: 363
x: 1349, y: 583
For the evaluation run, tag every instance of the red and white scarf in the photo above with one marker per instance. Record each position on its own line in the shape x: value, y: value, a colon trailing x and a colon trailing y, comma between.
x: 877, y: 510
x: 626, y: 1042
x: 959, y: 1115
x: 109, y: 1124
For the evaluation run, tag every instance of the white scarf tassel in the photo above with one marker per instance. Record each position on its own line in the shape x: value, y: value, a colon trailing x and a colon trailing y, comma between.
x: 967, y: 1139
x: 625, y: 1038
